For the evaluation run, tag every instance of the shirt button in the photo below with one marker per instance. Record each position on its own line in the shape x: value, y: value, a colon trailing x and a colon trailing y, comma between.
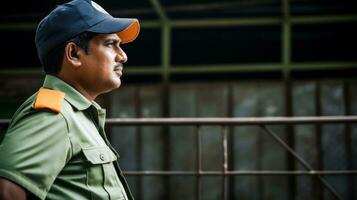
x: 101, y: 156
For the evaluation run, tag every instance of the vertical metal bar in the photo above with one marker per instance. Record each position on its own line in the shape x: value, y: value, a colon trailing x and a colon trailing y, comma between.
x: 166, y: 60
x: 225, y: 162
x: 138, y: 134
x: 259, y: 167
x: 166, y: 52
x: 166, y: 141
x: 199, y: 162
x: 166, y: 137
x: 286, y: 61
x: 290, y: 137
x: 348, y: 138
x: 230, y: 109
x: 165, y: 39
x: 286, y: 37
x: 319, y: 194
x: 301, y: 161
x: 165, y: 66
x: 259, y: 163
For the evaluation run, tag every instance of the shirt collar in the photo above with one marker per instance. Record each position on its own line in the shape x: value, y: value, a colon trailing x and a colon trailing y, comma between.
x: 75, y: 98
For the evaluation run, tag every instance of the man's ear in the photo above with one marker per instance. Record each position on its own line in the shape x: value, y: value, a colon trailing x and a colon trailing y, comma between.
x: 71, y: 54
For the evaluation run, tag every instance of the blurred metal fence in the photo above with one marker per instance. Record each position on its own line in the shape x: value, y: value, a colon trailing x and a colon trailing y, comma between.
x: 225, y: 123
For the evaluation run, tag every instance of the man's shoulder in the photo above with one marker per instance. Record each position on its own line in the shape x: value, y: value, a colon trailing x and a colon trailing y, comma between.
x: 49, y: 99
x: 45, y: 103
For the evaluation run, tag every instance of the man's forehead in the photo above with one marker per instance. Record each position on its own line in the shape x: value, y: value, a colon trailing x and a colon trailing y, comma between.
x: 109, y: 36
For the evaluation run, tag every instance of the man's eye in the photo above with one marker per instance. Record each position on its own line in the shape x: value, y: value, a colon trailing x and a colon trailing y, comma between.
x: 110, y: 43
x: 113, y: 44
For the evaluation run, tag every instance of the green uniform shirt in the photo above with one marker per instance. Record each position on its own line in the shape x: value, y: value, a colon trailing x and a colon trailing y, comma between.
x: 63, y: 155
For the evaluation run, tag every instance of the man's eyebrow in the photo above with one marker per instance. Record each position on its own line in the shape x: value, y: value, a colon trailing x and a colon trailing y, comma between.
x: 112, y: 39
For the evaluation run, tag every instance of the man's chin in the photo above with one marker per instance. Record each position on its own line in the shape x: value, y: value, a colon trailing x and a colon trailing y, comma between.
x: 111, y: 87
x: 117, y: 83
x: 114, y: 84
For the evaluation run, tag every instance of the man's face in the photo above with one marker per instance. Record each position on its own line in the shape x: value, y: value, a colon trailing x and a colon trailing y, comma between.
x: 102, y: 66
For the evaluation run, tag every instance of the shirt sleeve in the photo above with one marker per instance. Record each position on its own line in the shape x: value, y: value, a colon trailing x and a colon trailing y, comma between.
x: 34, y: 150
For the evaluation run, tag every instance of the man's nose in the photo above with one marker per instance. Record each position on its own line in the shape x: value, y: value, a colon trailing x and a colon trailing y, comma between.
x: 121, y: 56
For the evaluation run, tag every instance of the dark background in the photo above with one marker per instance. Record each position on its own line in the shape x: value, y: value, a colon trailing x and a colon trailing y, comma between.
x: 201, y: 46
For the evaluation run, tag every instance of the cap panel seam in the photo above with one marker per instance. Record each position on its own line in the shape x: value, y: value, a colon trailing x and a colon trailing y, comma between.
x: 80, y: 14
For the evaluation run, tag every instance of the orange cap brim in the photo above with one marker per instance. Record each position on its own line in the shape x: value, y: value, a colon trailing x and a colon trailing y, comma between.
x: 130, y: 33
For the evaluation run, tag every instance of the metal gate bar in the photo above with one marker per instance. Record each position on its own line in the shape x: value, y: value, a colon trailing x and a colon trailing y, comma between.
x: 225, y: 162
x: 302, y: 161
x: 225, y: 123
x: 199, y: 162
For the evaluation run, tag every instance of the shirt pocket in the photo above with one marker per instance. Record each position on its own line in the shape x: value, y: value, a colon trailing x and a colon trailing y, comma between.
x: 98, y: 173
x: 99, y: 155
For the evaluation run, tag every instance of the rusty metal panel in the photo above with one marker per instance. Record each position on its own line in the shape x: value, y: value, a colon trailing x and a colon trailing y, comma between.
x: 198, y: 100
x: 353, y: 107
x: 254, y: 149
x: 334, y: 155
x: 246, y: 148
x: 141, y: 148
x: 151, y: 141
x: 211, y: 101
x: 305, y: 138
x: 251, y: 150
x: 183, y: 148
x: 274, y: 157
x: 124, y: 139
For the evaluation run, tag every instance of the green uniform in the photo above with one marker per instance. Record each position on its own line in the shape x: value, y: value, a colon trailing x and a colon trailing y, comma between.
x: 62, y: 155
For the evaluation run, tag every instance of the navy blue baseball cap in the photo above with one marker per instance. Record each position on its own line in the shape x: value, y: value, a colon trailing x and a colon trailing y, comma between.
x: 75, y: 17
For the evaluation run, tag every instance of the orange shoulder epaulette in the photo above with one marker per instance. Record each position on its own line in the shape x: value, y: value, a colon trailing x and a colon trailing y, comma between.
x: 49, y: 99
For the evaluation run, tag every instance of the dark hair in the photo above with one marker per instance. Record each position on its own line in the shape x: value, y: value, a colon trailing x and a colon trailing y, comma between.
x: 53, y: 61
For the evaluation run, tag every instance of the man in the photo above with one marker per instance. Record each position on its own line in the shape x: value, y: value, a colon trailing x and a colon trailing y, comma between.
x: 55, y: 146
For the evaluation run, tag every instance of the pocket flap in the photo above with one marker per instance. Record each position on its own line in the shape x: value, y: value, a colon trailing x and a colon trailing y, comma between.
x: 99, y: 155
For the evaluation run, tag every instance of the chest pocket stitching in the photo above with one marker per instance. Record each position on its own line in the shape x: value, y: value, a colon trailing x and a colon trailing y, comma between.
x: 98, y: 156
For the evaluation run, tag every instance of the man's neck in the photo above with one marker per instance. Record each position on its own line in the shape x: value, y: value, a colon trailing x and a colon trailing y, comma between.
x: 78, y: 87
